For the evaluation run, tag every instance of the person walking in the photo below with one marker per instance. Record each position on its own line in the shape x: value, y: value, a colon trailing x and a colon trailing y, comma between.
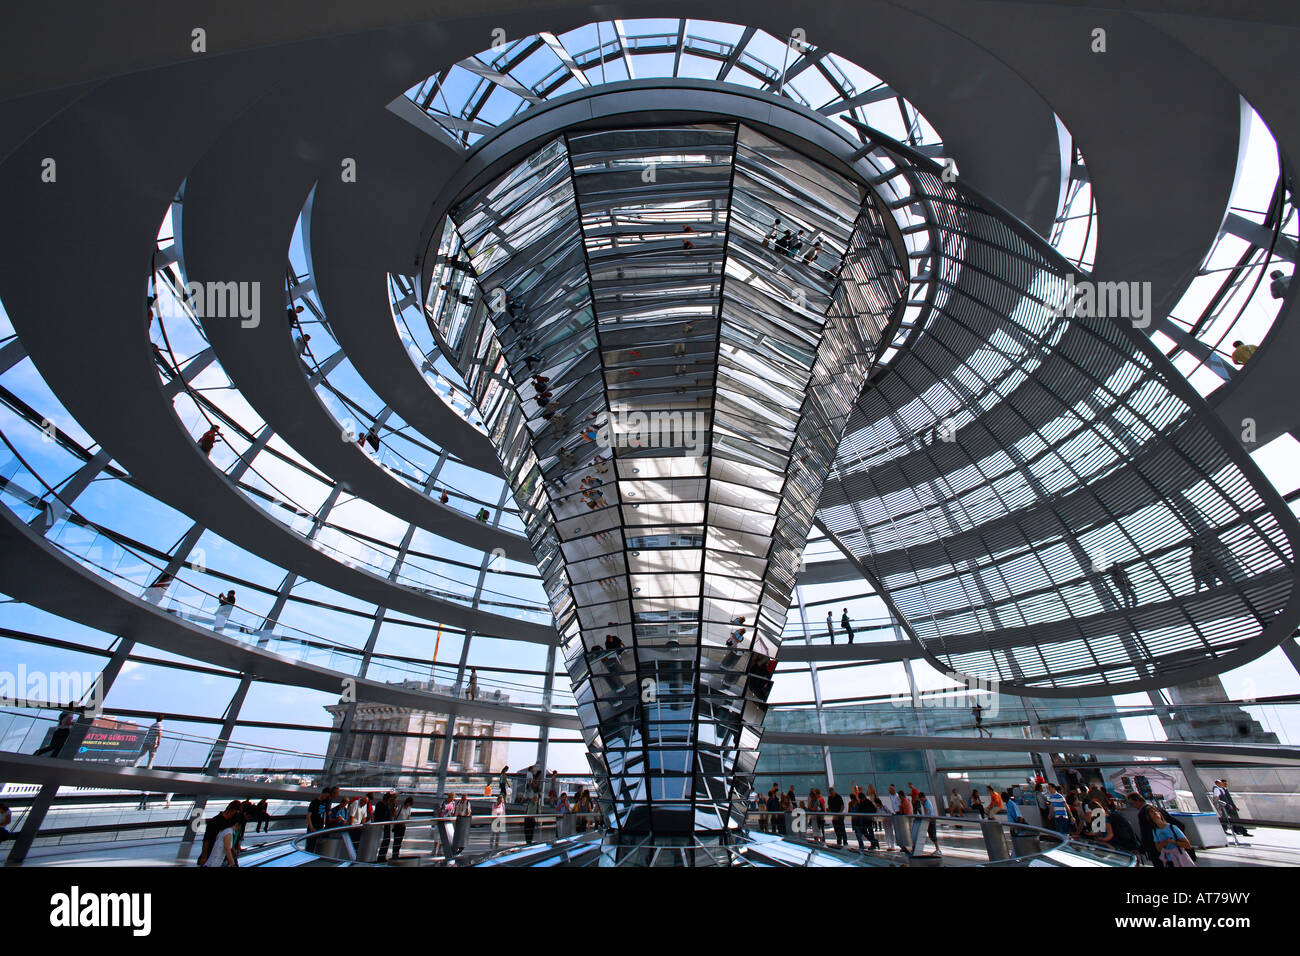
x: 1223, y: 794
x: 149, y: 748
x: 1060, y: 809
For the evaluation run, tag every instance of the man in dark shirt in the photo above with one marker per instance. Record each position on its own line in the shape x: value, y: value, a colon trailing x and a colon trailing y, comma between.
x: 775, y: 817
x: 317, y: 811
x: 383, y: 814
x: 835, y: 805
x: 1147, y: 831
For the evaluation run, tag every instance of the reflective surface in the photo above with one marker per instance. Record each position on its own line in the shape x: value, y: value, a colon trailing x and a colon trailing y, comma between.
x: 674, y: 323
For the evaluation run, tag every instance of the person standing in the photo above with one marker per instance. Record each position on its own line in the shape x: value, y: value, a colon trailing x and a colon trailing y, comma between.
x: 471, y: 691
x: 925, y: 807
x: 1060, y: 809
x: 316, y: 811
x: 225, y: 604
x: 498, y: 820
x: 503, y: 783
x: 830, y: 627
x: 1202, y: 568
x: 775, y: 819
x: 863, y: 820
x: 1170, y: 842
x: 400, y: 817
x: 1043, y: 804
x: 835, y: 806
x: 1145, y: 829
x: 892, y: 805
x: 383, y: 813
x: 1014, y: 815
x: 562, y: 820
x: 1119, y: 577
x: 844, y: 623
x: 531, y: 810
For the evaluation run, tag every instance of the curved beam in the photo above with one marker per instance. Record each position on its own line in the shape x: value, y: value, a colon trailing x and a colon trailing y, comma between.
x: 32, y: 570
x: 241, y: 202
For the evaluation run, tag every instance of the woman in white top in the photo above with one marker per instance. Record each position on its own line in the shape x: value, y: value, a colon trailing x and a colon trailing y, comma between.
x: 223, y: 849
x: 498, y: 820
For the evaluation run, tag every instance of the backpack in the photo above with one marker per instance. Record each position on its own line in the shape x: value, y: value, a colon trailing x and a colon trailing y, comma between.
x: 1124, y: 838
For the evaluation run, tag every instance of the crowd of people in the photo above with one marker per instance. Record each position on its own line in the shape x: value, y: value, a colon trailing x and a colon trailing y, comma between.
x: 347, y: 818
x: 1088, y: 813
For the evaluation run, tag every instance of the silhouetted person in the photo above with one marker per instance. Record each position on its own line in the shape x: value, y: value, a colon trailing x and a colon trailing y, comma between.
x: 844, y: 623
x: 62, y: 729
x: 1202, y: 568
x: 1119, y: 577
